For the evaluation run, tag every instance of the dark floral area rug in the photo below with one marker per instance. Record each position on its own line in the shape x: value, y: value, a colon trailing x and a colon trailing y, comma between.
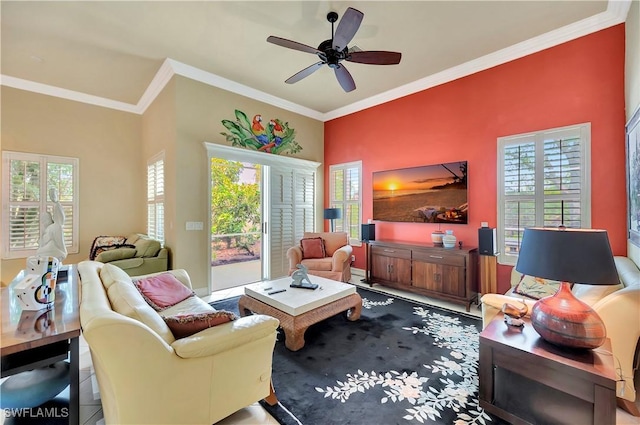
x: 401, y: 363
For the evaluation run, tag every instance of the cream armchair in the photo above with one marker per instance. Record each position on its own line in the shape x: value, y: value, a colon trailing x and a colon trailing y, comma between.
x: 335, y: 265
x: 618, y: 307
x: 146, y: 376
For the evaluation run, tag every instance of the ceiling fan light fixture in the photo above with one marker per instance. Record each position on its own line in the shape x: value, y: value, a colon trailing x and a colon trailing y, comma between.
x: 331, y: 52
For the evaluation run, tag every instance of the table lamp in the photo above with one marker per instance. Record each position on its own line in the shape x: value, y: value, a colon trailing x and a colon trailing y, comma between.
x: 332, y: 214
x: 570, y: 256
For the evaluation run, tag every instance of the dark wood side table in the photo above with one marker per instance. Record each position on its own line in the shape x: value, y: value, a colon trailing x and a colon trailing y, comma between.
x: 33, y: 339
x: 526, y: 380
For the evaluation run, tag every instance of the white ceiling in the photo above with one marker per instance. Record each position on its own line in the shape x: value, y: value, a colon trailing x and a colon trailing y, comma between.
x: 121, y: 53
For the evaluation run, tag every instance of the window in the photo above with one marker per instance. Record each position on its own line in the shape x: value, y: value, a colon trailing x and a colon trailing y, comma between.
x: 345, y: 183
x: 543, y: 181
x: 25, y: 195
x: 155, y: 197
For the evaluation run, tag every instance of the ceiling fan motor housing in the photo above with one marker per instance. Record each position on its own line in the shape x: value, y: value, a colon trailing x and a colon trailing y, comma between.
x: 329, y: 55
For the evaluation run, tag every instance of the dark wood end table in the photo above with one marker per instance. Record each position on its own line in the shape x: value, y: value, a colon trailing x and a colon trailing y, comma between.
x: 34, y: 339
x: 526, y: 380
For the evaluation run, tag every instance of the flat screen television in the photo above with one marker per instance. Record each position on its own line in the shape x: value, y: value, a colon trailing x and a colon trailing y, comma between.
x: 428, y: 194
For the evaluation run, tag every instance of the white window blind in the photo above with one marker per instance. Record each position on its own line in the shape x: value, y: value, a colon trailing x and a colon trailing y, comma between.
x: 345, y: 185
x: 155, y: 197
x: 27, y: 179
x: 543, y: 181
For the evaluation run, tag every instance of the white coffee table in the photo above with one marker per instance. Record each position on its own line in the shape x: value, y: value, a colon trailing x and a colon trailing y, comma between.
x: 297, y: 308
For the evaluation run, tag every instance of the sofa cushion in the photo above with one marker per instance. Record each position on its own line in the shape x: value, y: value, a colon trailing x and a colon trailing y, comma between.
x: 190, y: 305
x: 184, y: 325
x: 146, y: 247
x: 162, y: 290
x: 126, y: 300
x: 591, y: 294
x: 332, y: 240
x: 312, y: 248
x: 116, y: 254
x: 324, y: 264
x: 110, y: 274
x: 535, y: 287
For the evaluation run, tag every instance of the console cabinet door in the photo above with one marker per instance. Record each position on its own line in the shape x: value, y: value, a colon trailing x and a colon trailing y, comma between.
x: 391, y: 265
x: 442, y: 274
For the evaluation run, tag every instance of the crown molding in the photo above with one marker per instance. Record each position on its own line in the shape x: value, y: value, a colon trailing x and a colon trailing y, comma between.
x: 214, y: 80
x: 616, y: 13
x: 32, y: 86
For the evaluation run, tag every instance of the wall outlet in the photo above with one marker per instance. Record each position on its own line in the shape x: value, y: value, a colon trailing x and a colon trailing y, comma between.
x: 484, y: 224
x: 194, y: 225
x: 353, y: 258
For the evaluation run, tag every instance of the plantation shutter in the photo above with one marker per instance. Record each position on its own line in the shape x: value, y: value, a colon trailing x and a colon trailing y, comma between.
x: 292, y: 213
x: 155, y: 198
x: 27, y: 180
x: 345, y: 181
x: 544, y: 182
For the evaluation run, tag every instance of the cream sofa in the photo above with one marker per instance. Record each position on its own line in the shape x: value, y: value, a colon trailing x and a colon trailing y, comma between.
x: 619, y: 308
x: 337, y: 263
x: 145, y: 376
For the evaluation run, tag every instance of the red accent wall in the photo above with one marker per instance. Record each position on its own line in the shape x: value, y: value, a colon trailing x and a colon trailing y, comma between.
x: 575, y: 82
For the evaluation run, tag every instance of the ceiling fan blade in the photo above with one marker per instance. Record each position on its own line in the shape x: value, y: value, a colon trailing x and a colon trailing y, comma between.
x: 374, y: 57
x: 292, y: 44
x: 304, y: 73
x: 347, y: 28
x: 344, y: 78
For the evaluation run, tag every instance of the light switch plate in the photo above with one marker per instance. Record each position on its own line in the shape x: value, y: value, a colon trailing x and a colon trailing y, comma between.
x: 194, y: 225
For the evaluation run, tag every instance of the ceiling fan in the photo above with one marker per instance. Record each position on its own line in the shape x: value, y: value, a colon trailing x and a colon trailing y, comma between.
x: 332, y: 52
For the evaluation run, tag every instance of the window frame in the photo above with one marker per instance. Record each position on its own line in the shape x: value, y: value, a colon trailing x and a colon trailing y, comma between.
x: 155, y: 198
x: 342, y: 204
x: 44, y: 204
x: 583, y: 131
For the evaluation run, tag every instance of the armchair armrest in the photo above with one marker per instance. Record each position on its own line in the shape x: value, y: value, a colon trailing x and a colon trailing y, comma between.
x: 294, y: 254
x: 224, y: 337
x: 340, y: 257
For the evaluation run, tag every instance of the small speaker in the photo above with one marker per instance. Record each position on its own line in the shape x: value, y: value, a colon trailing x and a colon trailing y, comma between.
x: 368, y: 232
x: 487, y: 241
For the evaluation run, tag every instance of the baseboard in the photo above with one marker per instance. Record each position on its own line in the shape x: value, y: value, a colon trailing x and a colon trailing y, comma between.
x: 357, y: 272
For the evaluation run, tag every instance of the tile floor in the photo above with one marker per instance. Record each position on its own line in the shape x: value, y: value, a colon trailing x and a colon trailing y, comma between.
x: 91, y: 409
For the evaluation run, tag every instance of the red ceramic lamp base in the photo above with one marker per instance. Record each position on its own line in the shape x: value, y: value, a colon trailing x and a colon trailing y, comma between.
x: 562, y: 319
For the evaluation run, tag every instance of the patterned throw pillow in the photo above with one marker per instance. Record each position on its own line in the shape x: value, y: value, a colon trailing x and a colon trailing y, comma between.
x: 312, y: 248
x: 162, y: 290
x: 184, y: 325
x: 536, y: 287
x: 104, y: 243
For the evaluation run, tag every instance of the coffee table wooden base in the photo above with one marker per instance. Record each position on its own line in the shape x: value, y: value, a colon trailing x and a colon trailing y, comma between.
x: 295, y: 326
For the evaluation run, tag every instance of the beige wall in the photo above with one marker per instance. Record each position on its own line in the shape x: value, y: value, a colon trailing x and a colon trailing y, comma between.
x: 200, y: 110
x: 107, y: 142
x: 632, y: 59
x: 159, y: 135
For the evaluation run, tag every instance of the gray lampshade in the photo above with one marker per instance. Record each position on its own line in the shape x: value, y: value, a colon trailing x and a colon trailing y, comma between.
x: 568, y: 255
x: 332, y: 213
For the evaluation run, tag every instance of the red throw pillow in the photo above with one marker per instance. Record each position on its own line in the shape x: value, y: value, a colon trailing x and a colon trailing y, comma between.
x: 163, y: 290
x: 312, y: 248
x: 184, y: 325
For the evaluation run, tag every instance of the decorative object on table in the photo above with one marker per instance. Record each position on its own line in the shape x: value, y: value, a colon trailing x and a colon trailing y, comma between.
x: 449, y: 239
x: 51, y: 243
x: 513, y: 315
x: 633, y: 177
x: 570, y: 256
x: 37, y: 289
x: 333, y: 51
x: 301, y: 279
x: 436, y: 236
x: 276, y: 138
x: 331, y: 214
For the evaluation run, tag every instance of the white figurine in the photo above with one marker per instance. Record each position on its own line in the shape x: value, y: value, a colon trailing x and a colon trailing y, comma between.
x: 51, y: 242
